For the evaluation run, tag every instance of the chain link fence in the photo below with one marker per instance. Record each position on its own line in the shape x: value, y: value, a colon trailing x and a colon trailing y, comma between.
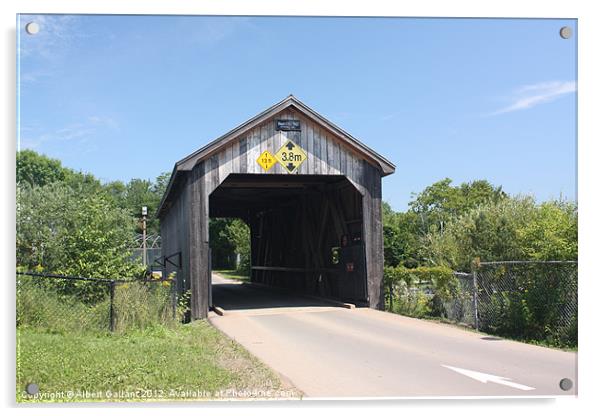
x: 153, y: 256
x: 59, y: 303
x: 459, y: 306
x: 528, y: 300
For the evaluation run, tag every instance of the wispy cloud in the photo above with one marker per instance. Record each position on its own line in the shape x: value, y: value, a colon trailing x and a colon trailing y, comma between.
x: 81, y: 132
x: 41, y: 55
x: 529, y: 96
x: 104, y: 122
x: 391, y: 116
x: 57, y: 32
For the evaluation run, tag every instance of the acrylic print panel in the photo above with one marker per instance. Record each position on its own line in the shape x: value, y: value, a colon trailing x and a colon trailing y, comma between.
x: 369, y: 207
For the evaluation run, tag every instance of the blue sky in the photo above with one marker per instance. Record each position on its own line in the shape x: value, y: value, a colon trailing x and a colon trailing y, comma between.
x: 127, y: 96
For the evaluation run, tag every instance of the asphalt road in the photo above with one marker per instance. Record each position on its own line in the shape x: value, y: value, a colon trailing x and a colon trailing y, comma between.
x: 328, y: 351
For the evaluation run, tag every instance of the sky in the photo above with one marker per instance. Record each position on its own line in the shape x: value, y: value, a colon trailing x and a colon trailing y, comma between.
x: 126, y: 97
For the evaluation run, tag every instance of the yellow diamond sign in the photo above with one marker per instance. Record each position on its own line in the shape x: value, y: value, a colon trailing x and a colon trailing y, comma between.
x: 266, y: 160
x: 291, y: 156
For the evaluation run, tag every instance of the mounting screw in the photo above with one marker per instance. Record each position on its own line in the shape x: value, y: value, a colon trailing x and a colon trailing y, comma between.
x: 32, y: 28
x: 566, y: 32
x: 566, y: 384
x: 32, y: 389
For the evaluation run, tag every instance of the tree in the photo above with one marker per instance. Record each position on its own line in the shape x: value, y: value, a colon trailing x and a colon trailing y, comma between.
x: 68, y: 232
x: 160, y: 185
x: 36, y: 169
x: 139, y: 193
x: 39, y: 170
x: 222, y: 246
x: 240, y: 235
x: 228, y: 238
x: 118, y: 191
x: 514, y: 228
x: 439, y: 202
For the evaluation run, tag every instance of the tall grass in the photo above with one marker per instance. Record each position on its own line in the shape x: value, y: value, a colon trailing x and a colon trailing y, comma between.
x: 137, y: 305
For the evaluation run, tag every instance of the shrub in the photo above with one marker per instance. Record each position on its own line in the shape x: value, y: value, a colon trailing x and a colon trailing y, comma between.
x: 420, y: 291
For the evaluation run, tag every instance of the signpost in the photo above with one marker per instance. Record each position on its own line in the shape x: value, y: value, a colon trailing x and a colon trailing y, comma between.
x: 291, y: 156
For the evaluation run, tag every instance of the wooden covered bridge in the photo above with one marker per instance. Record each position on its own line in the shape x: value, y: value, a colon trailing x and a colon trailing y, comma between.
x: 310, y: 193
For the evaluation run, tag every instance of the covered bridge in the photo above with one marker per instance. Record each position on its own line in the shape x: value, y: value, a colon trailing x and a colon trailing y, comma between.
x: 310, y: 193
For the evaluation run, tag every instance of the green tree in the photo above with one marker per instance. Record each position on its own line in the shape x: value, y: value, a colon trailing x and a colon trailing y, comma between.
x: 65, y: 231
x: 515, y: 228
x: 392, y: 240
x: 240, y: 235
x: 441, y: 201
x: 552, y: 232
x: 160, y: 185
x: 36, y: 169
x: 221, y: 243
x: 228, y: 238
x: 118, y: 191
x: 139, y: 193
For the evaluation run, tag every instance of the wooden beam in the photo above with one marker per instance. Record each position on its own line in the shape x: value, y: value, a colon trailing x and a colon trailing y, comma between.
x: 294, y: 269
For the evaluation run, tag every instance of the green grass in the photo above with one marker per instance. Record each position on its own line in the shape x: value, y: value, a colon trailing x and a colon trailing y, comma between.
x: 404, y: 310
x: 233, y: 274
x: 184, y: 362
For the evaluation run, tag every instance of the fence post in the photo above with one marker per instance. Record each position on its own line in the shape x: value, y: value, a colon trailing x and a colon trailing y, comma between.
x: 475, y: 299
x: 112, y: 307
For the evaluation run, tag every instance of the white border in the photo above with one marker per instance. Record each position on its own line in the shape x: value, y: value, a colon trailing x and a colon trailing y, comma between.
x: 590, y: 289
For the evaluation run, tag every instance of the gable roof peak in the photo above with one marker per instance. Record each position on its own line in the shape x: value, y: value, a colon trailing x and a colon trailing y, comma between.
x: 191, y: 160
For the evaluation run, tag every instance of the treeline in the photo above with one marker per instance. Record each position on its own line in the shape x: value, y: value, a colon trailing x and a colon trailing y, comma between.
x: 451, y: 226
x: 68, y: 222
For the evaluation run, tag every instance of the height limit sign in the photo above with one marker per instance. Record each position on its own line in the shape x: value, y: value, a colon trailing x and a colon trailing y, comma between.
x: 290, y: 156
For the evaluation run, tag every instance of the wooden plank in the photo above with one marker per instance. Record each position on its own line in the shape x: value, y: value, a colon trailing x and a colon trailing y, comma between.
x: 304, y: 145
x: 292, y: 269
x: 243, y: 155
x: 196, y: 255
x: 222, y: 166
x: 309, y: 138
x: 235, y: 165
x: 330, y: 159
x: 343, y: 167
x: 279, y: 140
x: 324, y: 150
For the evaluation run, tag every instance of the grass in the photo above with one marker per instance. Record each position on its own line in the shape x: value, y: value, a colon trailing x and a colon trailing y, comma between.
x: 193, y: 361
x: 233, y: 274
x: 413, y: 311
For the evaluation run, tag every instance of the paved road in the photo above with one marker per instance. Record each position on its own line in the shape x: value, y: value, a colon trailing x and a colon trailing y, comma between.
x: 328, y: 351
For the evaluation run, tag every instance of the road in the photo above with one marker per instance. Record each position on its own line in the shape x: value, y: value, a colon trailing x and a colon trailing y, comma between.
x: 329, y: 351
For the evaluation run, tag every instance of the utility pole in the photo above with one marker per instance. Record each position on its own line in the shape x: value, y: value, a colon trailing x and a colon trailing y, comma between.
x: 144, y: 213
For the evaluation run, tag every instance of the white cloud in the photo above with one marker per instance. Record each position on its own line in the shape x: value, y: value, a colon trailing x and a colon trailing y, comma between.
x: 529, y: 96
x: 34, y: 137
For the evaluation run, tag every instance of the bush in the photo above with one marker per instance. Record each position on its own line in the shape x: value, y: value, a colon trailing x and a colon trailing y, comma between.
x: 139, y: 305
x: 530, y: 301
x: 82, y: 233
x: 420, y: 291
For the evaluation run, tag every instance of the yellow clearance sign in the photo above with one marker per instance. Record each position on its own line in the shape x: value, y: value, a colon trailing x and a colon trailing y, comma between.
x: 290, y: 156
x: 266, y: 160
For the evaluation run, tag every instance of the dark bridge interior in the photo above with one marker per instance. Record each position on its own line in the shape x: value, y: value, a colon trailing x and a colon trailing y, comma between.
x: 306, y: 231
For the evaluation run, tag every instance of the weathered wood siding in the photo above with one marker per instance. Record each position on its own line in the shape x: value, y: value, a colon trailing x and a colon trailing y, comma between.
x: 186, y: 225
x: 174, y: 238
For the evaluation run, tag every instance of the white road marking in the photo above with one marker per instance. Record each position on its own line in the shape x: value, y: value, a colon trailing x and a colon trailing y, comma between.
x: 485, y: 378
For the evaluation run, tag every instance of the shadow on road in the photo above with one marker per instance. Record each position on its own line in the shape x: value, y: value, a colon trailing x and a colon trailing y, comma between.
x: 232, y: 295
